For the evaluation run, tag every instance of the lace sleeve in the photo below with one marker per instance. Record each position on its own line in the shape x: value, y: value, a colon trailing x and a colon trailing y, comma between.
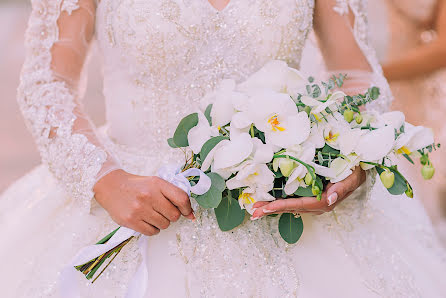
x: 342, y: 30
x: 57, y: 41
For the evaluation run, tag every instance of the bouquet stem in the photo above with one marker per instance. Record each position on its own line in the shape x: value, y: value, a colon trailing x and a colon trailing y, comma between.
x: 90, y: 268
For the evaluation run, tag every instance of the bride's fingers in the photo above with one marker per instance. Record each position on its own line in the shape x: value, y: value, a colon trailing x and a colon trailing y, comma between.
x: 259, y: 204
x: 177, y: 196
x: 167, y: 209
x: 145, y: 228
x: 157, y: 220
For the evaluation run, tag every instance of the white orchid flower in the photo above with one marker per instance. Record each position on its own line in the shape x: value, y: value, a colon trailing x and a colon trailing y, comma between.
x: 275, y: 76
x: 342, y: 167
x: 229, y: 153
x: 329, y: 131
x: 394, y: 119
x: 277, y: 116
x: 226, y: 102
x: 199, y: 134
x: 374, y: 145
x: 250, y: 196
x: 414, y: 138
x: 253, y: 175
x: 319, y: 105
x: 304, y: 153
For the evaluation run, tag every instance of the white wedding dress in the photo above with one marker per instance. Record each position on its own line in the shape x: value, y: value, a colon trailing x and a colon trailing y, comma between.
x: 160, y: 57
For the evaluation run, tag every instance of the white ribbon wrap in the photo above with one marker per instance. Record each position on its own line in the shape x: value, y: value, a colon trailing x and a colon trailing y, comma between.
x: 137, y: 287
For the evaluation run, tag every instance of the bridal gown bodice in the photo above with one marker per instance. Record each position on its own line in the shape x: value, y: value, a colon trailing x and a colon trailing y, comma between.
x: 162, y: 57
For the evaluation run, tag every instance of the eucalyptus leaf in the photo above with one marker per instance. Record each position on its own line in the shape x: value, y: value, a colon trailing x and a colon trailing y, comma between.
x: 374, y: 92
x: 290, y: 227
x: 180, y: 135
x: 207, y: 113
x: 171, y: 143
x: 209, y: 145
x: 229, y: 214
x: 329, y: 149
x: 399, y: 186
x: 213, y: 197
x: 304, y: 192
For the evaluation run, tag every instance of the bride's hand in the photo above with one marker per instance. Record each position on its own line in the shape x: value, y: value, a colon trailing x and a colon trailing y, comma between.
x: 333, y: 195
x: 144, y: 204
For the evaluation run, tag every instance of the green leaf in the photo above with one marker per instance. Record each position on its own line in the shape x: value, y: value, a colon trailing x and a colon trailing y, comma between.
x: 408, y: 158
x: 213, y: 197
x: 209, y: 145
x: 400, y: 185
x: 374, y: 92
x: 171, y: 143
x: 180, y: 135
x: 207, y: 113
x: 328, y: 149
x: 229, y: 214
x: 290, y: 228
x: 304, y: 192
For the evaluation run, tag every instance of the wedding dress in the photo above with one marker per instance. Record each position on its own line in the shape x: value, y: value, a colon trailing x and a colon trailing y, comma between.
x: 160, y: 58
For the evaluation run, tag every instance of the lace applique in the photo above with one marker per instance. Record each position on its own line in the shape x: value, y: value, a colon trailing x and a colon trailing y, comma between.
x: 48, y: 106
x: 69, y: 6
x: 341, y: 7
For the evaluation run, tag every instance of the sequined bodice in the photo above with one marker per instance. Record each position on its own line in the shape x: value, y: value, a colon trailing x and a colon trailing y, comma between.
x: 161, y: 57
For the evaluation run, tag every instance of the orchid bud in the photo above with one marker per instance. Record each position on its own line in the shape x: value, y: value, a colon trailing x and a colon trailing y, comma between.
x: 409, y: 191
x: 387, y: 178
x: 427, y: 171
x: 308, y: 179
x: 348, y: 115
x: 315, y: 190
x: 286, y: 167
x: 358, y: 118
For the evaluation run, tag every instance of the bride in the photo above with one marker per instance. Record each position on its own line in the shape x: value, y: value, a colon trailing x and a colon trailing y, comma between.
x: 160, y: 57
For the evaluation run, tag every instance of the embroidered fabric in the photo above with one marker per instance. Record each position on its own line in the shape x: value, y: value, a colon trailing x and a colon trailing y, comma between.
x: 50, y: 91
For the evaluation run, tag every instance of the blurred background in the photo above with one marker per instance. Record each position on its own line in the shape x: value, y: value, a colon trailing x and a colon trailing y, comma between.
x: 408, y: 35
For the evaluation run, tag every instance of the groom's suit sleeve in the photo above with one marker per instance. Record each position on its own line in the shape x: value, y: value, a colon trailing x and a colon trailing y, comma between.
x: 57, y: 42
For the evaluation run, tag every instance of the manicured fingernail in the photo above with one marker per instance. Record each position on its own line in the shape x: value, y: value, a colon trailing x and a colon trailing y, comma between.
x: 254, y: 217
x: 191, y: 216
x: 268, y: 211
x: 332, y: 198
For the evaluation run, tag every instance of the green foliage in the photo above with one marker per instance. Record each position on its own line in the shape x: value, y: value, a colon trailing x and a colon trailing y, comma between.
x: 180, y: 135
x: 290, y: 227
x: 209, y: 145
x: 229, y: 214
x: 213, y: 197
x: 171, y: 143
x: 304, y: 192
x: 207, y: 113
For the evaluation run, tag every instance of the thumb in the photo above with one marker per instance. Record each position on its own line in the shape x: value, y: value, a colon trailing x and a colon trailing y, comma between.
x: 340, y: 190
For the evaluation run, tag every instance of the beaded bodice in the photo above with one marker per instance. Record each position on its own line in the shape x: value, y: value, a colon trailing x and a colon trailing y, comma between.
x: 161, y: 57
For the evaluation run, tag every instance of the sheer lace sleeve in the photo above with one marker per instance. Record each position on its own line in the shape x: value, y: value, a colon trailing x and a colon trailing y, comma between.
x: 342, y: 31
x: 57, y: 41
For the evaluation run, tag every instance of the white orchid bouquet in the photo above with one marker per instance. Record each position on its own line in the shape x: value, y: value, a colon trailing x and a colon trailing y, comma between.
x: 279, y: 135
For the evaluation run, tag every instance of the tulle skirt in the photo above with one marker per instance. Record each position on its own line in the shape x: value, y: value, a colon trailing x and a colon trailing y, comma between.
x: 378, y: 247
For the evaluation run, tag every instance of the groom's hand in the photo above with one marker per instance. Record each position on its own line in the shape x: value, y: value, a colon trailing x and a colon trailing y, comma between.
x: 144, y: 204
x: 333, y: 195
